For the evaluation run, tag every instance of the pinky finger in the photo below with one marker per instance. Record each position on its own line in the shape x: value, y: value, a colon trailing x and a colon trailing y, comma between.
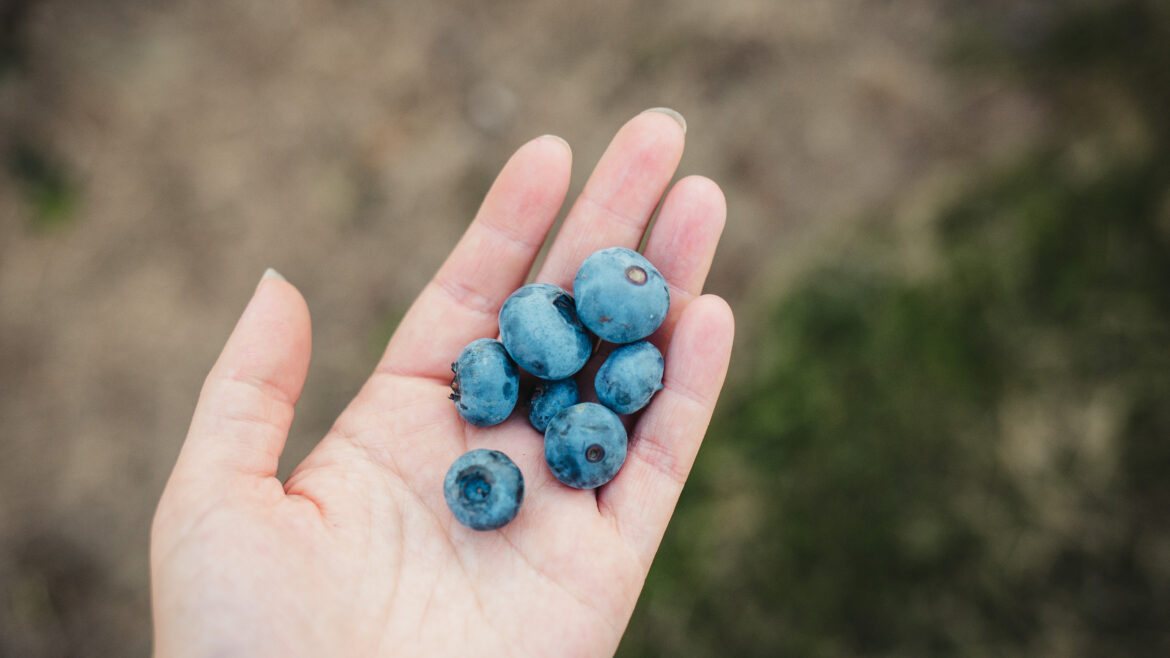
x: 666, y: 439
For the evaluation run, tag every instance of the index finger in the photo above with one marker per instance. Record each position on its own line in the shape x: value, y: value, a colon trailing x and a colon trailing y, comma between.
x: 491, y: 260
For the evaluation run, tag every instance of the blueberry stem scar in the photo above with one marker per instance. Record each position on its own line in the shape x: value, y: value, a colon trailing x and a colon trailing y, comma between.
x: 636, y: 275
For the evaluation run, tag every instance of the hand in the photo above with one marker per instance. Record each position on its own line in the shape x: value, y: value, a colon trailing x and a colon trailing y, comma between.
x: 357, y: 553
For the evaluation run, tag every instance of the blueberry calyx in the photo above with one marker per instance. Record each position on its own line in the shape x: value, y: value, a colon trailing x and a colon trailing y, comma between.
x: 594, y: 453
x: 475, y: 485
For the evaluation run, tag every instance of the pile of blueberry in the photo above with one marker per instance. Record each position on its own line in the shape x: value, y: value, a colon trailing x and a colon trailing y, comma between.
x: 619, y: 297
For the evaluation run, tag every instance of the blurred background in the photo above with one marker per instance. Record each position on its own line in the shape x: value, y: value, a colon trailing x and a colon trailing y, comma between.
x: 947, y: 426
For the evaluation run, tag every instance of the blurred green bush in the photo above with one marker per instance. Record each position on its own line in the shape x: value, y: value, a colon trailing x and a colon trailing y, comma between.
x: 976, y: 460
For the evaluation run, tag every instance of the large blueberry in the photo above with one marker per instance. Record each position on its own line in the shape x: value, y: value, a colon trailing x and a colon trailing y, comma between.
x: 621, y: 297
x: 540, y: 329
x: 629, y: 377
x: 484, y: 489
x: 486, y: 383
x: 548, y: 399
x: 585, y: 445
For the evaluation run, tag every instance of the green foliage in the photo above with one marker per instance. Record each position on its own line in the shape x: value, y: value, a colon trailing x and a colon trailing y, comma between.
x: 51, y: 195
x: 972, y: 462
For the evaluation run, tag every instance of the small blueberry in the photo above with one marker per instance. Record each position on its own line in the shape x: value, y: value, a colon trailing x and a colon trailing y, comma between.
x: 548, y: 399
x: 484, y: 489
x: 585, y: 445
x: 486, y: 384
x: 629, y: 377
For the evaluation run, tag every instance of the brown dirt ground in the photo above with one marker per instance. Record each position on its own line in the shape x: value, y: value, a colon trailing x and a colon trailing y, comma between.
x: 347, y: 144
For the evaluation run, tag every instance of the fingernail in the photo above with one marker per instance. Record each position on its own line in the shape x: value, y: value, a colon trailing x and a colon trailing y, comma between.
x: 561, y: 140
x: 673, y: 114
x: 272, y: 274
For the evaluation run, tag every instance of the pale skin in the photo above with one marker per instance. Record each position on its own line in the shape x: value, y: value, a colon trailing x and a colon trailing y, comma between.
x: 357, y: 554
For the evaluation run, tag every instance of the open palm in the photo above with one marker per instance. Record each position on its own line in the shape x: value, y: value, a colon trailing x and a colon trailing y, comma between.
x: 357, y: 553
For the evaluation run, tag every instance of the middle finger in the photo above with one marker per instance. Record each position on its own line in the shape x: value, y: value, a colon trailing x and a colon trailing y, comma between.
x: 620, y: 195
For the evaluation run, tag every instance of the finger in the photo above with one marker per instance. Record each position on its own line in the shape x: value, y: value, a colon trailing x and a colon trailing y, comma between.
x: 663, y: 445
x: 246, y: 405
x: 683, y: 241
x: 492, y: 259
x: 620, y: 195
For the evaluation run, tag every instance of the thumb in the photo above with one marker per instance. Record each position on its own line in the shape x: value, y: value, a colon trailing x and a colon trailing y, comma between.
x: 246, y: 405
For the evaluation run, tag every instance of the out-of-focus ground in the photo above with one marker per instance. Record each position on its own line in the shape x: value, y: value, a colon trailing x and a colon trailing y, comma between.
x: 159, y: 156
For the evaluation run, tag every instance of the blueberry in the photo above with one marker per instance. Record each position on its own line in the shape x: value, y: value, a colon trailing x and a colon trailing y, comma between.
x: 585, y: 445
x: 621, y: 297
x: 540, y: 329
x: 486, y: 384
x: 629, y: 377
x: 484, y: 489
x: 548, y: 399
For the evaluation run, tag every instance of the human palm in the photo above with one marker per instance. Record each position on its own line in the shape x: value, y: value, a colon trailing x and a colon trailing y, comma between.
x: 357, y: 553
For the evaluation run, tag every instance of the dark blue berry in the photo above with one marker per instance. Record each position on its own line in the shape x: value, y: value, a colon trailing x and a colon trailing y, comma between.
x: 620, y: 296
x: 484, y: 489
x: 548, y: 399
x: 540, y: 330
x: 486, y: 384
x: 585, y: 445
x: 629, y: 377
